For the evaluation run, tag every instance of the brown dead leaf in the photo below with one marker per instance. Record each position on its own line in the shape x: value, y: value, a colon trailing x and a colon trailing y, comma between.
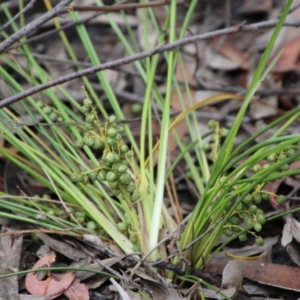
x: 288, y: 59
x: 291, y: 230
x: 229, y: 47
x: 232, y: 280
x: 53, y: 286
x: 267, y: 273
x: 160, y: 291
x: 255, y: 7
x: 77, y: 291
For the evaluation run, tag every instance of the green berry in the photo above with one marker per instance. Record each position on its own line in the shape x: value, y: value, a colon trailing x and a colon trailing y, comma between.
x: 124, y: 148
x: 224, y: 132
x: 281, y: 199
x: 118, y: 137
x: 260, y: 212
x: 257, y: 226
x: 290, y: 152
x: 121, y: 168
x: 223, y: 179
x: 247, y: 199
x: 271, y: 157
x: 87, y: 102
x: 111, y: 141
x: 265, y: 195
x: 256, y: 168
x: 243, y: 237
x: 234, y: 220
x: 252, y: 208
x: 285, y: 167
x: 40, y: 104
x: 53, y: 116
x: 51, y: 212
x: 130, y: 187
x: 206, y: 147
x: 112, y: 185
x: 91, y: 225
x: 261, y: 219
x: 93, y: 175
x: 80, y: 214
x: 90, y: 117
x: 112, y: 132
x: 121, y: 130
x: 136, y: 108
x: 85, y: 109
x: 135, y: 197
x: 89, y: 141
x: 112, y: 119
x: 75, y: 176
x: 98, y: 144
x: 79, y: 144
x: 211, y: 124
x: 85, y: 179
x: 102, y: 175
x: 281, y: 156
x: 88, y: 126
x: 122, y: 226
x: 47, y: 110
x: 259, y: 241
x: 257, y: 198
x: 228, y: 232
x: 125, y: 178
x: 240, y: 206
x: 111, y: 176
x: 109, y: 158
x: 248, y: 223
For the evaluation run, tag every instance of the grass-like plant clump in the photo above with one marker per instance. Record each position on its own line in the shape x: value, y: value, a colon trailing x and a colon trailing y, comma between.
x: 106, y: 182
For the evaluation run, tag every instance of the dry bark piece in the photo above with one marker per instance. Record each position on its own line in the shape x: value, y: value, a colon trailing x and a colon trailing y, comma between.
x: 10, y: 249
x: 61, y: 247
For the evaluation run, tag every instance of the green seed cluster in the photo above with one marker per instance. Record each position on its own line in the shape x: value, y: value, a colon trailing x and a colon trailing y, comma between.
x: 218, y: 134
x: 52, y: 113
x: 247, y: 215
x: 52, y: 209
x: 274, y: 158
x: 114, y: 165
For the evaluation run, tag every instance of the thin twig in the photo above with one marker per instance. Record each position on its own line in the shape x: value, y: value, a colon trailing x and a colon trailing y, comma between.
x: 63, y: 27
x: 59, y: 9
x: 15, y: 17
x: 111, y: 8
x: 160, y: 79
x: 141, y: 55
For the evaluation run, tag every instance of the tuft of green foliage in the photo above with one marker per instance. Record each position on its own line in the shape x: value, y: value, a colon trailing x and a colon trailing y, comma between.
x: 112, y: 188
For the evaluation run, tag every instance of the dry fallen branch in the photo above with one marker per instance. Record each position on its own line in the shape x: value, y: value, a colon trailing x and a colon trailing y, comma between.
x: 59, y: 9
x: 129, y: 59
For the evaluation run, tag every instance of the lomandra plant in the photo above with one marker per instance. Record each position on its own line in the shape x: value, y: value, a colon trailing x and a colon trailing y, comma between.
x: 78, y: 152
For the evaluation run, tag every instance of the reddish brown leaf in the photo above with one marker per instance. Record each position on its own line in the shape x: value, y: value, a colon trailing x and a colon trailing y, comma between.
x: 53, y: 286
x: 77, y: 291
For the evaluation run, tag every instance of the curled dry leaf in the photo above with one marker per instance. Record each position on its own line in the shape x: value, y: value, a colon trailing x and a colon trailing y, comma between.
x: 291, y: 230
x: 53, y: 286
x: 232, y: 280
x: 77, y: 291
